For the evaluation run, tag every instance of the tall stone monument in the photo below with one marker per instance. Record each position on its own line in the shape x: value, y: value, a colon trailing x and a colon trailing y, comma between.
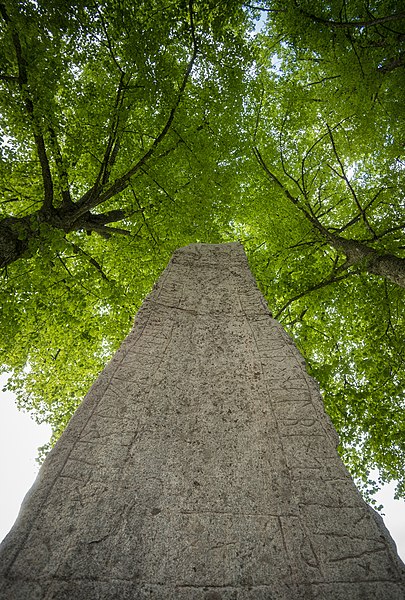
x: 200, y: 466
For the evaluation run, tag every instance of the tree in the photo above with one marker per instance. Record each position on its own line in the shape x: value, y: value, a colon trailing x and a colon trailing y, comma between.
x: 335, y: 211
x: 129, y: 132
x: 117, y: 120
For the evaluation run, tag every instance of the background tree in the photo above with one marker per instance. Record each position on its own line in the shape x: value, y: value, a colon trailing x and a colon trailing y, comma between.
x: 132, y: 130
x: 118, y: 120
x: 329, y: 140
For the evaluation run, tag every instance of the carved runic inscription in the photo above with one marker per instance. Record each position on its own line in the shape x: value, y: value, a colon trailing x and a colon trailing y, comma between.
x: 200, y: 466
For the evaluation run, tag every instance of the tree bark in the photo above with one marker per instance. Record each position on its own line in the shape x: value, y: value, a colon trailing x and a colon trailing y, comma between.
x: 20, y: 237
x: 15, y: 234
x: 368, y: 259
x: 200, y: 466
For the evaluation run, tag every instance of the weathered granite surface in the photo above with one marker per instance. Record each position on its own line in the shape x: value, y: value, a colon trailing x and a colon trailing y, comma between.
x: 200, y: 466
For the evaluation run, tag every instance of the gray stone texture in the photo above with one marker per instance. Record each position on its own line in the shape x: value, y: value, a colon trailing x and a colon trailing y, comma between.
x: 200, y: 466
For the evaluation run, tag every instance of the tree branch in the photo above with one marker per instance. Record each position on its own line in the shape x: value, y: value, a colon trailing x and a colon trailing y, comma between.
x: 141, y: 209
x: 346, y: 180
x: 353, y: 45
x: 392, y: 64
x: 400, y: 227
x: 301, y: 189
x: 9, y: 78
x: 166, y: 193
x: 357, y: 253
x: 77, y: 280
x: 354, y: 24
x: 313, y: 288
x: 268, y: 10
x: 78, y: 250
x: 29, y: 106
x: 93, y: 199
x: 322, y: 80
x: 272, y: 176
x: 112, y: 148
x: 109, y: 44
x: 61, y: 168
x: 287, y: 193
x: 259, y: 110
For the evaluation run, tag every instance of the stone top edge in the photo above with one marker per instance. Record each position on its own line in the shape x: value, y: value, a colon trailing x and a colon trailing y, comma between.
x: 210, y: 254
x: 227, y: 248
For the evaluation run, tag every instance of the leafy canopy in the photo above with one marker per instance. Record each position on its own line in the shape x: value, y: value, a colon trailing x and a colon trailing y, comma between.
x: 130, y: 129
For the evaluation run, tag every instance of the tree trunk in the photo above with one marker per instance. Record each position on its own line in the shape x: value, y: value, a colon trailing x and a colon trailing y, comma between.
x: 20, y: 237
x: 200, y: 466
x: 15, y: 235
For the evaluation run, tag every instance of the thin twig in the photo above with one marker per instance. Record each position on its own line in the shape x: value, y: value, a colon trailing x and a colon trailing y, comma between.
x: 315, y: 287
x: 109, y: 43
x: 346, y: 179
x: 141, y: 209
x: 322, y: 80
x: 354, y: 24
x: 259, y: 110
x: 77, y: 280
x: 268, y: 10
x: 92, y: 261
x: 282, y: 159
x: 158, y: 185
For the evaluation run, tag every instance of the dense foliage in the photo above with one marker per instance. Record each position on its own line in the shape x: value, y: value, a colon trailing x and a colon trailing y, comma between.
x: 130, y: 129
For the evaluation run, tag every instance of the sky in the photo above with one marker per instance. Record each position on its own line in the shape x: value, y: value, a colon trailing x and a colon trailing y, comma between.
x: 20, y: 438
